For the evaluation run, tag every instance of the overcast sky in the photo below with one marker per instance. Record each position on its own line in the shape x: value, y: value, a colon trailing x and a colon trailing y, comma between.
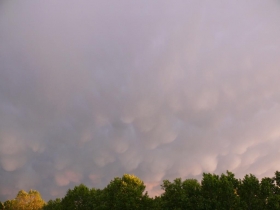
x: 90, y: 90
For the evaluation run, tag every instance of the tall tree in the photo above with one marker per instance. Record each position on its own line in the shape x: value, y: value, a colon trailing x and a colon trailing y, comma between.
x: 125, y: 193
x: 193, y: 198
x: 228, y: 186
x: 210, y: 191
x: 270, y: 188
x: 181, y: 195
x: 276, y: 178
x: 173, y: 196
x: 220, y: 192
x: 249, y: 192
x: 77, y: 199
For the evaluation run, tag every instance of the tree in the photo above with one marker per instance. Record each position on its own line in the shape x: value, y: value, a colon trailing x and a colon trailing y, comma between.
x: 77, y: 199
x: 210, y: 191
x: 125, y: 193
x: 181, y: 195
x: 25, y: 201
x: 249, y: 192
x: 228, y: 186
x: 22, y: 200
x: 10, y: 204
x: 157, y: 203
x: 273, y: 202
x: 270, y: 192
x: 193, y: 198
x: 1, y: 206
x: 267, y: 191
x: 276, y: 179
x: 34, y: 200
x: 53, y: 205
x: 219, y: 192
x: 173, y: 196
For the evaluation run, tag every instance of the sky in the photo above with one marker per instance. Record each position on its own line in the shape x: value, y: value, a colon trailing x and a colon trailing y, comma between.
x: 91, y: 90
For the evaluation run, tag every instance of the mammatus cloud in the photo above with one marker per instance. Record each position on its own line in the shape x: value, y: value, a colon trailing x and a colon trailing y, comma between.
x: 92, y: 90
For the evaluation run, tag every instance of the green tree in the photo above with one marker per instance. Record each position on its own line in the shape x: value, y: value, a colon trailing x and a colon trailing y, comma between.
x: 276, y: 179
x: 97, y: 199
x: 219, y: 192
x: 267, y: 190
x: 125, y: 193
x: 173, y: 196
x: 270, y: 191
x: 228, y: 185
x: 181, y: 195
x: 273, y: 202
x: 249, y: 191
x: 53, y: 205
x: 156, y: 203
x: 77, y: 199
x: 210, y: 191
x: 192, y: 198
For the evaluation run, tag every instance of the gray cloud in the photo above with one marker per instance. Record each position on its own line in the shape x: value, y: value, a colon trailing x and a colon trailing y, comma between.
x: 95, y: 89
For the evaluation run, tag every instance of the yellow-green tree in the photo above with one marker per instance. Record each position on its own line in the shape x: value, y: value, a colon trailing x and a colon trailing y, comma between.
x: 25, y: 201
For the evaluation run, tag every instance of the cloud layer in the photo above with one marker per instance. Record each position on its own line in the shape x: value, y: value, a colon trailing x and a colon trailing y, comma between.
x: 91, y: 90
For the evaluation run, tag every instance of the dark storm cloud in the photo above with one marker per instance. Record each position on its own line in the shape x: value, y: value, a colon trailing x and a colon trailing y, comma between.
x: 91, y: 90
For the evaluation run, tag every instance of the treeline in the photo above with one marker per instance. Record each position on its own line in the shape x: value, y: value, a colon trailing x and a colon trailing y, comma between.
x: 222, y: 192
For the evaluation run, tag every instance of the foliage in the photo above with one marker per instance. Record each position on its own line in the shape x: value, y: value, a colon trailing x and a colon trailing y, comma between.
x: 249, y: 191
x: 53, y: 205
x: 25, y: 201
x: 219, y: 192
x: 78, y: 198
x: 125, y: 193
x: 222, y: 192
x: 181, y: 195
x: 10, y: 204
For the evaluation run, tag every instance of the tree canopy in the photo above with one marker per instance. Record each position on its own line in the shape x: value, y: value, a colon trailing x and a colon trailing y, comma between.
x: 221, y: 192
x: 25, y: 201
